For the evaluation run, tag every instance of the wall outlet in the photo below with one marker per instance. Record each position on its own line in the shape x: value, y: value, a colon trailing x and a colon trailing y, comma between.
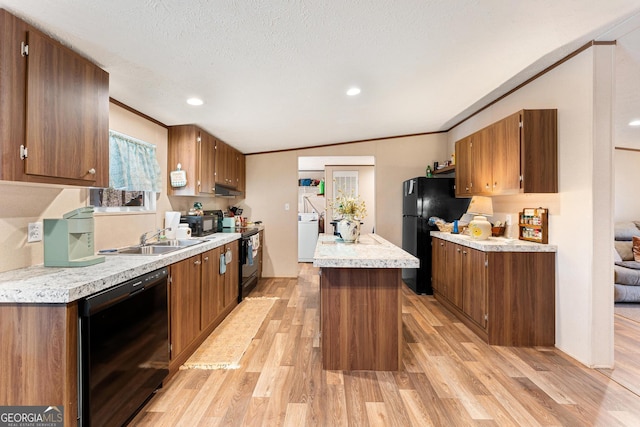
x: 34, y: 232
x: 286, y: 206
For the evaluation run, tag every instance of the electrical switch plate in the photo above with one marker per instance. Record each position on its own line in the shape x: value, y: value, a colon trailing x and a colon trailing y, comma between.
x: 286, y: 206
x: 34, y: 232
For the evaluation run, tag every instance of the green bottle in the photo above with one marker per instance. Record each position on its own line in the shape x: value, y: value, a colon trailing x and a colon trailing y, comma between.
x: 429, y: 173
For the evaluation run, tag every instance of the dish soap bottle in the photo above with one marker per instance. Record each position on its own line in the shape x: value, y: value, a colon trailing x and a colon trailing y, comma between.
x: 429, y: 173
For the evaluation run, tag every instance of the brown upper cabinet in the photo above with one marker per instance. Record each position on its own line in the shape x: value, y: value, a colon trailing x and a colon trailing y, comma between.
x: 518, y: 154
x: 206, y: 160
x: 230, y: 166
x: 194, y: 150
x: 54, y: 110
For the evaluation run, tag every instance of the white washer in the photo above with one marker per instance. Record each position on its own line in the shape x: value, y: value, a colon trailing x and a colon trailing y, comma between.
x: 307, y: 236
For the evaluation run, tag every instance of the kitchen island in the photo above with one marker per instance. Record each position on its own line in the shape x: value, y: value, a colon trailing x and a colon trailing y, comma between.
x: 361, y: 302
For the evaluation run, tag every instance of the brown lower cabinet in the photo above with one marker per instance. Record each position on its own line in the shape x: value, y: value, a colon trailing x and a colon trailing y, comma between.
x: 200, y: 297
x: 39, y: 362
x: 507, y: 298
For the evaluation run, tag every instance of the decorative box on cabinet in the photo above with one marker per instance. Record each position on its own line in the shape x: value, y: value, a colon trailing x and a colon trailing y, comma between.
x: 517, y: 154
x: 507, y: 298
x: 54, y: 107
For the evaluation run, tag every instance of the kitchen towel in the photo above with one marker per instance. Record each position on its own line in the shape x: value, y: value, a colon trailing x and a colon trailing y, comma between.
x: 250, y: 252
x: 223, y: 264
x: 255, y: 244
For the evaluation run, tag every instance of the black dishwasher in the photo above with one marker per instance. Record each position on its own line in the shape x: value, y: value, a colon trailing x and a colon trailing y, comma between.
x: 124, y: 349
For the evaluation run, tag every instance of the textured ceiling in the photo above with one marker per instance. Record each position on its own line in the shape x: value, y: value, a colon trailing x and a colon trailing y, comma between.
x: 273, y: 74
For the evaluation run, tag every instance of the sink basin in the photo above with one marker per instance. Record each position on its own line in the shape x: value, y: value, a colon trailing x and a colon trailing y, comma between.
x: 159, y: 248
x: 181, y: 243
x: 147, y: 250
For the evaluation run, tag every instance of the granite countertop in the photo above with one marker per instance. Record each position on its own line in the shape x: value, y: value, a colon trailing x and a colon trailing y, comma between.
x: 371, y: 251
x: 40, y: 284
x: 495, y: 244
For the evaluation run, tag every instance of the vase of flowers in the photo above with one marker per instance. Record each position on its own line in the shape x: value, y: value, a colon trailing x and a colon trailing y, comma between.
x: 352, y: 210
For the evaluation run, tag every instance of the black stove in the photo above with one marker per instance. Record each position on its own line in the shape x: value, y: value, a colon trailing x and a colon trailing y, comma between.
x: 248, y: 266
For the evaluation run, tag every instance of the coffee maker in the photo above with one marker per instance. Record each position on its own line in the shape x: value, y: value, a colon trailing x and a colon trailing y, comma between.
x: 68, y: 242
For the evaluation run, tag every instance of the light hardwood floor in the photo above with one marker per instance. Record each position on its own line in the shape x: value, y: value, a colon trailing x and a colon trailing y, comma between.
x: 626, y: 354
x: 449, y: 378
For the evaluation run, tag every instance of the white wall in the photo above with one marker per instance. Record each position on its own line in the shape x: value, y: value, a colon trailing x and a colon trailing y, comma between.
x: 580, y: 214
x: 627, y: 196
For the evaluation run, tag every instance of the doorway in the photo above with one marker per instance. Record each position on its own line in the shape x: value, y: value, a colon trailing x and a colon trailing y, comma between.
x: 626, y: 158
x: 316, y: 176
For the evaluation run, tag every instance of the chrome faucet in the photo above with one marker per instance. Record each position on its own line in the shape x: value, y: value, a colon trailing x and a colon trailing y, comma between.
x: 144, y: 237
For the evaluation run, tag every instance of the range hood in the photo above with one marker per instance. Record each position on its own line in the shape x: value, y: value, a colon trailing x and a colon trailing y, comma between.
x: 224, y: 191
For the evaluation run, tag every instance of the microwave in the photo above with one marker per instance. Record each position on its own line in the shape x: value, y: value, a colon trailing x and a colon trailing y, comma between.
x: 202, y: 225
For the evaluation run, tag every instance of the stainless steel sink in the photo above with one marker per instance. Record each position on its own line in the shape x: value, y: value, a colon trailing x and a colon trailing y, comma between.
x: 147, y: 250
x: 181, y: 243
x: 159, y: 248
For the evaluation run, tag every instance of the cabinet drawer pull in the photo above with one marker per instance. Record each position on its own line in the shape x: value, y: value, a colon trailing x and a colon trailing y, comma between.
x: 92, y: 171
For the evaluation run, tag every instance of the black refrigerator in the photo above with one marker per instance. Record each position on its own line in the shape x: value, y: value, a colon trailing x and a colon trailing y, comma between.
x: 422, y: 199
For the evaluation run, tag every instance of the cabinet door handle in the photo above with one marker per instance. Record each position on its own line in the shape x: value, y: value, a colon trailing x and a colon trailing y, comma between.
x: 495, y: 184
x: 464, y: 252
x: 458, y: 249
x: 196, y: 263
x: 92, y: 171
x: 206, y: 259
x: 441, y: 244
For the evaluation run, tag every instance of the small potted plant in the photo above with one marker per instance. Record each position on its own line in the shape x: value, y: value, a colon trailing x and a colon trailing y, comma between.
x: 351, y: 209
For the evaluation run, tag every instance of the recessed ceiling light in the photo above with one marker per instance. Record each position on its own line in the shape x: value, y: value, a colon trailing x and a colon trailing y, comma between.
x: 635, y: 122
x: 195, y: 101
x: 353, y: 91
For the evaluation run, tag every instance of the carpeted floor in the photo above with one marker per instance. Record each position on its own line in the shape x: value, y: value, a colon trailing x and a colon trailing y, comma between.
x: 229, y: 341
x: 629, y: 310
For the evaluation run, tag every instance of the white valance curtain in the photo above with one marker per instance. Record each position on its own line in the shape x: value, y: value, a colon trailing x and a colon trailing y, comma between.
x: 133, y: 164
